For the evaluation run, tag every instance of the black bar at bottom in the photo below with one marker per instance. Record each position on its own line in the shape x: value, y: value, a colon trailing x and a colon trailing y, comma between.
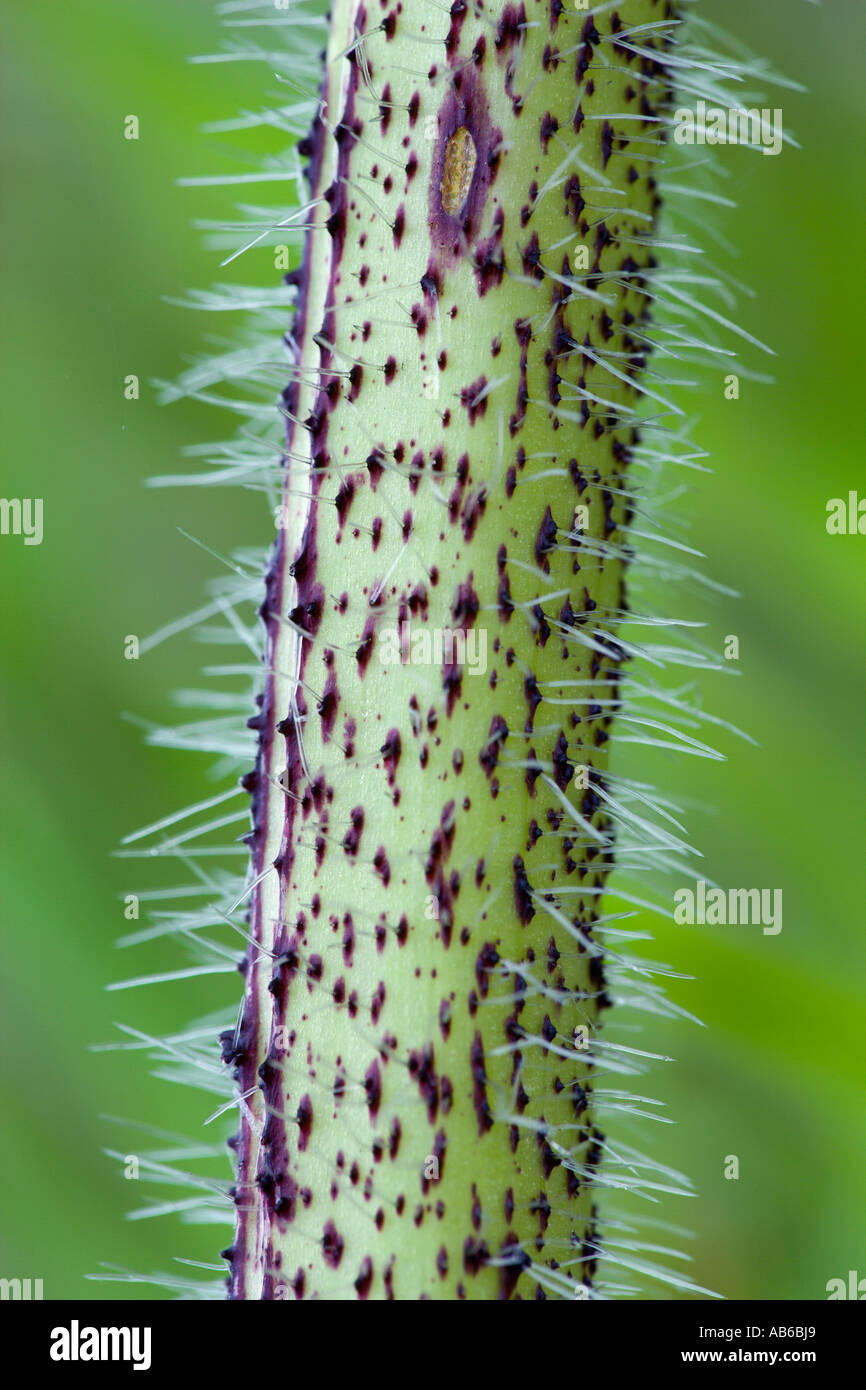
x: 62, y: 1339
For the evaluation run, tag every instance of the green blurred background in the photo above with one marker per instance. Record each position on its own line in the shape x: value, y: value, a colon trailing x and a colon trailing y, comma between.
x: 96, y: 233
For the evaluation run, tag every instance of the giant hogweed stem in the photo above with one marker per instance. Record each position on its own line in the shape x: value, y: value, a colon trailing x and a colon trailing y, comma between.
x: 419, y: 1037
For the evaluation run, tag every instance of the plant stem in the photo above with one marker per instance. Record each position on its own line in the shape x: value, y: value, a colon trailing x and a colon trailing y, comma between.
x: 432, y: 836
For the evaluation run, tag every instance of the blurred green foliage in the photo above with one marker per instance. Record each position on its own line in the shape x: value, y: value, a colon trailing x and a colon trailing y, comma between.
x: 96, y: 234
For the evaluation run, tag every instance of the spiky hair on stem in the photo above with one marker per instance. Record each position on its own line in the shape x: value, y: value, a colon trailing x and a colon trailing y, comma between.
x: 450, y: 864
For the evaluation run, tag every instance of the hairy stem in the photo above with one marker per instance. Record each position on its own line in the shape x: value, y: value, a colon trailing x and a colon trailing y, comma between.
x: 432, y: 818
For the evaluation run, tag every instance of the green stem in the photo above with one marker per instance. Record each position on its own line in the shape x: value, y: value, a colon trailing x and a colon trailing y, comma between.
x: 422, y: 1002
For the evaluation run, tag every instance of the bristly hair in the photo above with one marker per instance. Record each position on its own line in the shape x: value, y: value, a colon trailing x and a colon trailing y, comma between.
x: 204, y: 908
